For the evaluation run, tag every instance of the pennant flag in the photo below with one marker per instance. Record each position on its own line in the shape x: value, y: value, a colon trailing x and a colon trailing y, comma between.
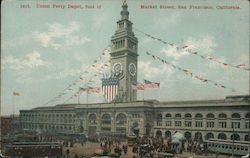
x: 110, y: 88
x: 225, y: 65
x: 240, y: 65
x: 16, y: 93
x: 138, y: 86
x: 149, y: 84
x: 94, y: 90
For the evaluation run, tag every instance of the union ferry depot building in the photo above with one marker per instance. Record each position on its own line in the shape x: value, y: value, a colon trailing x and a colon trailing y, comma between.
x: 197, y: 120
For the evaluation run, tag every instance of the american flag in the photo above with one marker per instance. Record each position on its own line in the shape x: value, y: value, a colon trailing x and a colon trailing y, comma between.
x: 149, y: 84
x: 138, y: 86
x: 110, y: 88
x: 89, y: 90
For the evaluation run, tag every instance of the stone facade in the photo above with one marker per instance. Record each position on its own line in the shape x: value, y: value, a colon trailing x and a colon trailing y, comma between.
x: 197, y: 120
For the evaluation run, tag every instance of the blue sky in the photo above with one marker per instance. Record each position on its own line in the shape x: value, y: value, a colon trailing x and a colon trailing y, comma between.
x: 44, y: 50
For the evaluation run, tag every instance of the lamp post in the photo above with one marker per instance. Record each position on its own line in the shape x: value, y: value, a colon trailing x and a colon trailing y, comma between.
x: 233, y: 143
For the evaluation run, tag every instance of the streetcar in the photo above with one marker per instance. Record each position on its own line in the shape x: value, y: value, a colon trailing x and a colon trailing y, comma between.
x: 33, y: 150
x: 228, y: 147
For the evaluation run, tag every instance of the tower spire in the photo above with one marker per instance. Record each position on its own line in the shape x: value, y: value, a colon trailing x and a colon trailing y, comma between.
x: 124, y: 12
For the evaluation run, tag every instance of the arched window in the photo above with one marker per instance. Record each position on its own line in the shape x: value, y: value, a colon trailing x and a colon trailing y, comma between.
x: 158, y: 133
x: 159, y: 119
x: 198, y: 137
x: 198, y: 120
x: 121, y: 119
x: 177, y: 120
x: 92, y: 119
x: 235, y: 120
x: 210, y: 120
x: 246, y: 138
x: 235, y: 137
x: 222, y: 136
x: 168, y: 119
x: 247, y: 121
x: 188, y: 136
x: 106, y: 119
x: 188, y: 120
x: 167, y: 134
x: 222, y: 120
x: 209, y: 136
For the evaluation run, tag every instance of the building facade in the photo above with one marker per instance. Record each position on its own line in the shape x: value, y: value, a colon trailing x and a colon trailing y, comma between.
x: 197, y: 120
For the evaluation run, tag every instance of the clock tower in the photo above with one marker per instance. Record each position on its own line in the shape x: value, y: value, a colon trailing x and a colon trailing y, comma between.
x: 124, y: 57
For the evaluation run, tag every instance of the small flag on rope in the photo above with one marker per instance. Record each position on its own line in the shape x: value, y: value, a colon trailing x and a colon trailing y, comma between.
x: 149, y: 84
x: 225, y: 65
x: 240, y: 65
x: 16, y: 93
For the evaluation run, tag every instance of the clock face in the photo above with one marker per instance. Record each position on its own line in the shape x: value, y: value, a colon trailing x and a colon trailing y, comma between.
x: 132, y: 69
x: 117, y: 68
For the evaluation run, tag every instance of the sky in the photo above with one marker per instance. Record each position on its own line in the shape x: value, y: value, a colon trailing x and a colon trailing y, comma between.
x: 44, y: 51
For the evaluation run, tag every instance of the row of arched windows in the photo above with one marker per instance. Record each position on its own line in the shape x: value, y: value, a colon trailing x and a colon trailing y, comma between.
x: 199, y: 137
x: 199, y: 115
x: 121, y: 119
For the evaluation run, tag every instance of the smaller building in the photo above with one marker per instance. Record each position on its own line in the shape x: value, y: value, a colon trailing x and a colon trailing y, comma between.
x: 9, y: 123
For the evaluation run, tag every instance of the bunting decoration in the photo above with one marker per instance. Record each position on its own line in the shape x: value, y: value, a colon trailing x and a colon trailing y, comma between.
x: 94, y: 71
x: 188, y: 50
x: 189, y: 73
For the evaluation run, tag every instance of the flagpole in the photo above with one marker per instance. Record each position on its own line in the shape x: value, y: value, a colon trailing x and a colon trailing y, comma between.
x: 143, y: 94
x: 80, y: 92
x: 13, y: 105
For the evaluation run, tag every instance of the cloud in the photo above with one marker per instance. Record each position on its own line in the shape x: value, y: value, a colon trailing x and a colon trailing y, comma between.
x: 173, y: 51
x: 30, y: 61
x: 60, y: 36
x: 150, y: 71
x: 204, y: 45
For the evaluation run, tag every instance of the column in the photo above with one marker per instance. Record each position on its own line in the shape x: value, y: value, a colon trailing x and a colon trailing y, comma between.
x: 113, y: 122
x: 98, y: 125
x: 86, y: 121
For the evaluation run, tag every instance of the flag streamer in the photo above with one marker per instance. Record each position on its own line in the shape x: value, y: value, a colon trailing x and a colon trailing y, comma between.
x: 185, y: 47
x: 97, y: 67
x: 189, y: 73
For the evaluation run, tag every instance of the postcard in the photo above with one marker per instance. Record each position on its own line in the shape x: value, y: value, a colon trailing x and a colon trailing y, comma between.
x: 128, y: 78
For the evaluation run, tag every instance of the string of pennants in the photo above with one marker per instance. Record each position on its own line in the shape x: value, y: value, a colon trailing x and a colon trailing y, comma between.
x: 187, y: 49
x: 98, y: 66
x: 190, y: 73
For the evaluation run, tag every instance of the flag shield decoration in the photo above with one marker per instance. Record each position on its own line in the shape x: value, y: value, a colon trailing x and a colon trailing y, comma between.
x: 110, y: 88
